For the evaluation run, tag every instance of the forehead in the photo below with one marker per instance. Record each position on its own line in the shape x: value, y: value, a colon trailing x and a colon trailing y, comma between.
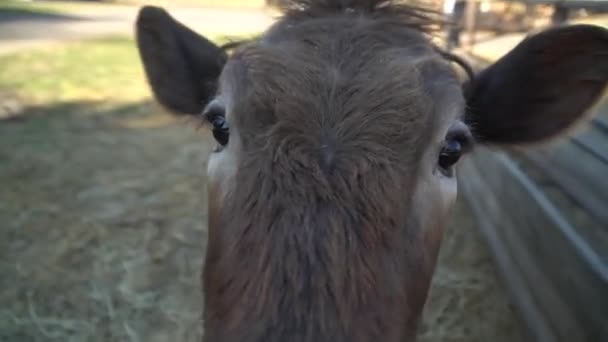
x: 328, y: 71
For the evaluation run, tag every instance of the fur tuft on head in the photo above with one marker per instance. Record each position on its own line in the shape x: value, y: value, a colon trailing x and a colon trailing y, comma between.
x: 423, y: 19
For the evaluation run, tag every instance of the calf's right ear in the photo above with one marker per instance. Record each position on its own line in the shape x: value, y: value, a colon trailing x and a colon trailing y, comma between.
x: 181, y: 66
x: 541, y: 88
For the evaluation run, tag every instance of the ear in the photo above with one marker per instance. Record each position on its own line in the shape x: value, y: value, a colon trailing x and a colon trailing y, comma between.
x: 182, y: 67
x: 541, y: 88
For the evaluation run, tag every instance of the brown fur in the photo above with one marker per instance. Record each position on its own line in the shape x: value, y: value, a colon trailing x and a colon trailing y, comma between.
x: 321, y: 249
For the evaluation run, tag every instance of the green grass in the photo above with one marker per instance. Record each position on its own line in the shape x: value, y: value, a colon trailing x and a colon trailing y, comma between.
x: 107, y: 69
x: 205, y: 3
x: 72, y: 7
x: 104, y: 69
x: 22, y: 7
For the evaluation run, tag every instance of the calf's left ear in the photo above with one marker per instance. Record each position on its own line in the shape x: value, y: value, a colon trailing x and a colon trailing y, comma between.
x: 182, y: 67
x: 541, y: 88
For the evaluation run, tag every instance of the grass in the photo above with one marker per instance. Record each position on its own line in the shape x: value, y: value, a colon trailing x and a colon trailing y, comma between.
x: 30, y: 7
x: 107, y: 69
x: 201, y: 3
x: 104, y: 69
x: 73, y: 7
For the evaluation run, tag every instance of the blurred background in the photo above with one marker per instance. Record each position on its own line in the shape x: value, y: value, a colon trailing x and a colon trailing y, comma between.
x: 102, y: 194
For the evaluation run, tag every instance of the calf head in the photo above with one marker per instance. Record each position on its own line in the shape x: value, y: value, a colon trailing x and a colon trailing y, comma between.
x: 338, y: 131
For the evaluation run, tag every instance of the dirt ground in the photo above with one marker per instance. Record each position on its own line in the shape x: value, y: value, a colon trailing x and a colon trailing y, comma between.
x: 102, y: 223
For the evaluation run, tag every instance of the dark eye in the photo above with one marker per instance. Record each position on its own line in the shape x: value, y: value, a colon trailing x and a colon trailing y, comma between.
x: 457, y: 142
x: 215, y: 114
x: 449, y: 155
x: 220, y: 130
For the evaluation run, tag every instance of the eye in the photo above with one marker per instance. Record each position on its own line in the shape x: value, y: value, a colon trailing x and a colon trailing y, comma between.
x: 458, y: 141
x: 220, y: 130
x: 449, y: 155
x: 215, y: 114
